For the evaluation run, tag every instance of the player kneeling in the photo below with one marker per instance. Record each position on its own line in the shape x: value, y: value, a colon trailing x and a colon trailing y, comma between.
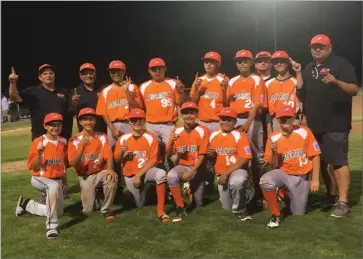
x: 232, y: 153
x: 189, y: 143
x: 138, y: 152
x: 90, y: 154
x: 48, y: 161
x: 292, y: 153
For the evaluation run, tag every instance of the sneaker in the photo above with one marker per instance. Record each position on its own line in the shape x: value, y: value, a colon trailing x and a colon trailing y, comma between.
x: 164, y: 218
x: 179, y: 214
x: 20, y: 206
x: 187, y: 195
x: 109, y: 216
x: 52, y: 234
x: 326, y: 203
x: 340, y: 210
x: 243, y: 215
x: 275, y: 221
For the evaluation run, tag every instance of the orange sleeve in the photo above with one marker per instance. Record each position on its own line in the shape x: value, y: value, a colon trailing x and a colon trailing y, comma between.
x: 138, y: 97
x: 107, y: 151
x: 101, y: 105
x: 203, y: 142
x: 154, y: 150
x: 259, y: 94
x: 268, y: 151
x: 312, y: 146
x: 117, y: 151
x: 243, y: 147
x: 71, y: 149
x: 170, y: 138
x: 32, y: 152
x: 191, y: 93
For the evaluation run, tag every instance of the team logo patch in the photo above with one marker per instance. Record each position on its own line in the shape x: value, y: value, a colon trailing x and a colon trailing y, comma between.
x: 316, y: 146
x: 248, y: 150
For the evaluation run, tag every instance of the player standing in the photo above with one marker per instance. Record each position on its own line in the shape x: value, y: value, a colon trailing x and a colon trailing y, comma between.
x: 90, y: 154
x: 47, y: 161
x: 263, y: 65
x: 138, y: 153
x: 231, y: 152
x: 189, y: 143
x: 292, y: 154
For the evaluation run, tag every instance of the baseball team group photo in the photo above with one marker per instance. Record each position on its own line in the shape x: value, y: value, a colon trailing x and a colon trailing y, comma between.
x: 169, y: 141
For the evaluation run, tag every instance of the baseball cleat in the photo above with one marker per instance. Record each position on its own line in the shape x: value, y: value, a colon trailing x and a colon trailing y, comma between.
x: 52, y: 234
x: 164, y: 218
x: 340, y: 210
x: 275, y: 221
x: 20, y: 208
x: 109, y: 216
x: 180, y: 213
x: 187, y: 194
x: 243, y: 215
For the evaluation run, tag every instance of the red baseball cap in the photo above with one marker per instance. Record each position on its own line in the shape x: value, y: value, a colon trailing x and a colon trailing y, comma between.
x: 213, y: 55
x: 263, y: 54
x: 86, y: 111
x: 52, y: 117
x: 228, y: 112
x: 157, y: 62
x: 117, y: 64
x: 244, y: 53
x: 280, y: 54
x: 189, y: 105
x: 136, y: 113
x: 44, y: 66
x: 320, y: 39
x: 87, y: 66
x: 285, y: 111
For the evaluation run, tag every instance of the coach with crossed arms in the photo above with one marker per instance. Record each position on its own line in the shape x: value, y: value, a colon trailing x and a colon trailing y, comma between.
x: 329, y: 84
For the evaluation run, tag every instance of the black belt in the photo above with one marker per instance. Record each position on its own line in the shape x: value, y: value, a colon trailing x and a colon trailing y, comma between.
x: 244, y: 115
x: 123, y: 121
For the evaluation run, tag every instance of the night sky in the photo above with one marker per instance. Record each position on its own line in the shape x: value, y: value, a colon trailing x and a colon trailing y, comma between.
x: 68, y: 34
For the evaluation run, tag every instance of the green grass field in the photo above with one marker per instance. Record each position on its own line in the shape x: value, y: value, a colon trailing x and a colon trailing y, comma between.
x: 208, y: 232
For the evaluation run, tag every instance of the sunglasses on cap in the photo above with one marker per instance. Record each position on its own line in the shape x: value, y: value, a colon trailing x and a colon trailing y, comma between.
x: 134, y: 120
x: 279, y: 61
x: 242, y: 60
x: 226, y: 118
x: 284, y: 119
x: 87, y: 72
x: 318, y: 46
x: 54, y: 124
x: 189, y: 111
x: 87, y: 118
x: 260, y: 60
x: 212, y: 61
x: 115, y: 71
x: 155, y: 69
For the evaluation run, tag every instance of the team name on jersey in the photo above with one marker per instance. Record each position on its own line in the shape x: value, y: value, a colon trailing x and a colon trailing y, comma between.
x: 225, y: 151
x: 117, y: 103
x: 91, y: 156
x: 210, y: 95
x: 242, y: 96
x: 54, y: 161
x: 183, y: 149
x: 156, y: 96
x: 281, y: 96
x: 140, y: 154
x: 292, y: 154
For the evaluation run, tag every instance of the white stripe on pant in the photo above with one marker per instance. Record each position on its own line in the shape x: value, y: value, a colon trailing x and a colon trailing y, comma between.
x: 53, y: 209
x: 237, y: 192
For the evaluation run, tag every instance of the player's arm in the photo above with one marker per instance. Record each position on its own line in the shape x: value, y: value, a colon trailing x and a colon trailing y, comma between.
x: 269, y: 124
x: 170, y: 147
x: 77, y: 157
x: 13, y: 90
x: 131, y: 98
x: 37, y: 160
x: 274, y: 158
x: 119, y: 151
x: 316, y: 168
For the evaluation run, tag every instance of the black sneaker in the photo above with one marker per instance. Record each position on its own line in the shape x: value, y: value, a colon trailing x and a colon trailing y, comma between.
x: 275, y: 221
x: 243, y: 215
x: 20, y: 206
x: 340, y: 210
x: 180, y: 212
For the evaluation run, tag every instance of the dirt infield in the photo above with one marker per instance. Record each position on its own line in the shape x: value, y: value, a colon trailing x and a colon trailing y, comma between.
x: 357, y: 106
x: 14, y: 166
x: 15, y: 131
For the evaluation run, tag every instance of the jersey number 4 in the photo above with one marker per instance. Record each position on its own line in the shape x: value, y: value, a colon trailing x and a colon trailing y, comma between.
x: 230, y: 160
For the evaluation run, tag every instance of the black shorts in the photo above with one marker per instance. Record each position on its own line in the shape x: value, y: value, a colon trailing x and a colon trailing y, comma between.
x: 334, y: 147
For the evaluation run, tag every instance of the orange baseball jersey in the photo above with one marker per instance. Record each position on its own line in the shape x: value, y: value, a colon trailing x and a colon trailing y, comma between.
x: 243, y: 93
x: 95, y: 155
x: 144, y: 149
x: 294, y: 151
x: 281, y: 93
x: 211, y: 102
x: 190, y: 145
x: 160, y: 100
x: 113, y: 102
x: 229, y: 147
x: 54, y: 158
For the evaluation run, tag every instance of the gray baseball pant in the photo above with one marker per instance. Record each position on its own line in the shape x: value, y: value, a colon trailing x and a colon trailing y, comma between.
x: 175, y: 177
x: 212, y: 126
x: 297, y: 186
x: 237, y: 192
x: 53, y: 209
x: 154, y: 174
x: 123, y: 126
x: 163, y: 131
x: 88, y: 187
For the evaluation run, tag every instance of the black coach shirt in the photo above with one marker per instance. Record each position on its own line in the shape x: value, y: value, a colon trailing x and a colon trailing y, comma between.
x: 89, y: 99
x: 42, y: 101
x: 327, y: 107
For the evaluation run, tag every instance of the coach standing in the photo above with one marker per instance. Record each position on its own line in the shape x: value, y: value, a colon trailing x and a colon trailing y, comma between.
x: 329, y: 84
